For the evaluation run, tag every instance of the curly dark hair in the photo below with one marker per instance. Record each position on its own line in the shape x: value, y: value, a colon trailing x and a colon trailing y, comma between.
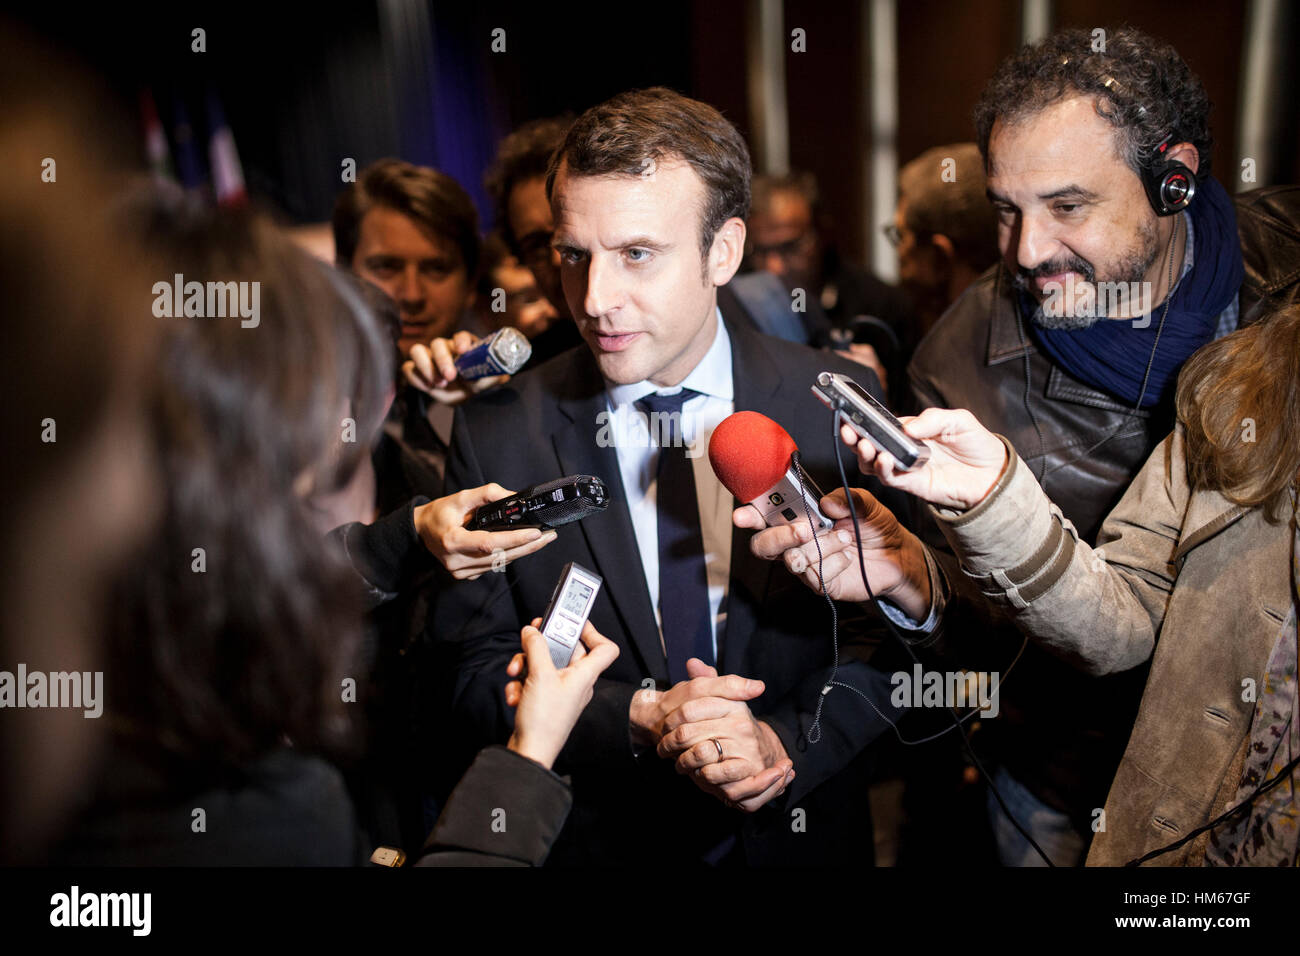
x: 1143, y: 86
x: 524, y: 154
x: 623, y: 134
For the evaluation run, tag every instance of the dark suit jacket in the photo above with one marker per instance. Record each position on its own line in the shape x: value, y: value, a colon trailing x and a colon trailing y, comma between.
x: 636, y: 809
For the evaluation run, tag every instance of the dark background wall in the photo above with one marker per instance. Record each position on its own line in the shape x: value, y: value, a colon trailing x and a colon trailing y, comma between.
x: 1209, y: 38
x: 304, y: 87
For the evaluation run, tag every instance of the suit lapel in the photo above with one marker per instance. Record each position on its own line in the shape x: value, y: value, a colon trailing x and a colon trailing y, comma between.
x: 611, y: 539
x: 756, y: 379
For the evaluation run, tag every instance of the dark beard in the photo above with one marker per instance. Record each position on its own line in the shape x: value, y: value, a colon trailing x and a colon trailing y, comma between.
x: 1131, y: 268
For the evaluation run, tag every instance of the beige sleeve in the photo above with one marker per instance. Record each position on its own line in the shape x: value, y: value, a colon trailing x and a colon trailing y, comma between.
x: 1099, y: 608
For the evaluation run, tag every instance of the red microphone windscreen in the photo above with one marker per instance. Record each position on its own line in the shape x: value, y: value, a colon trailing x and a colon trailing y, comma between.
x: 750, y: 453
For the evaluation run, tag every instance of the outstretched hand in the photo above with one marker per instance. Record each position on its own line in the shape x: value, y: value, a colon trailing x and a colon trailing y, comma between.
x: 893, y: 557
x: 966, y: 459
x: 548, y: 700
x: 467, y: 554
x: 432, y: 369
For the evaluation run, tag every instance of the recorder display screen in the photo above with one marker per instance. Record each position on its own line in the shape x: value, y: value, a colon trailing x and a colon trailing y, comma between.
x: 575, y: 599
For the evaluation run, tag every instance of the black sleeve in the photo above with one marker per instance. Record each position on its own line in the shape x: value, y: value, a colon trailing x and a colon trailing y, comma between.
x: 478, y: 620
x: 386, y: 555
x: 482, y: 620
x: 837, y: 719
x: 506, y: 811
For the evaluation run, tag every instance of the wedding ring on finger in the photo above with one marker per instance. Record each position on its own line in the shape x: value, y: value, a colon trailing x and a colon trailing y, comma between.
x: 719, y: 746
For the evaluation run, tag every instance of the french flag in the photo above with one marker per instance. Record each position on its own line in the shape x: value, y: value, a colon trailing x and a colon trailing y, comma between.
x: 155, y: 138
x: 223, y: 158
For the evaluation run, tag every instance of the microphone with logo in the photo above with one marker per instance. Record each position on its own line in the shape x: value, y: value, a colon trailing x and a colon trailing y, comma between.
x: 504, y: 352
x: 758, y: 462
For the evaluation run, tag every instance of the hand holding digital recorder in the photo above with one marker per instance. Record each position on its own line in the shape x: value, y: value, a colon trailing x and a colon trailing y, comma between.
x: 870, y: 419
x: 544, y: 506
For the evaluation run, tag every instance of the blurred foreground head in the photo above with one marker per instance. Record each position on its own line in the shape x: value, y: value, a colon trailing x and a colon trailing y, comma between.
x: 78, y: 486
x: 232, y: 628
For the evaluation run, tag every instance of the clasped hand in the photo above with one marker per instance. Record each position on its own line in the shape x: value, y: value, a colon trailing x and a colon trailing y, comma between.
x: 705, y: 726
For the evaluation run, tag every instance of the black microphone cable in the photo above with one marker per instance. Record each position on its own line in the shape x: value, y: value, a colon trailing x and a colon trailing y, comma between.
x: 1264, y: 787
x: 814, y: 731
x: 862, y: 569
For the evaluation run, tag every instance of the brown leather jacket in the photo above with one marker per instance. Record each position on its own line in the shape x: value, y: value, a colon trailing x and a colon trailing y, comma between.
x: 1062, y: 733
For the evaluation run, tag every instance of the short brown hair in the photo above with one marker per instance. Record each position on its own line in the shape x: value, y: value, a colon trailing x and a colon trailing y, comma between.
x: 623, y: 135
x: 433, y: 199
x: 956, y: 207
x: 524, y: 154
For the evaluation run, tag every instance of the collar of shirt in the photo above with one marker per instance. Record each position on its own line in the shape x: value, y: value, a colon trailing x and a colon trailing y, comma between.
x: 638, y: 459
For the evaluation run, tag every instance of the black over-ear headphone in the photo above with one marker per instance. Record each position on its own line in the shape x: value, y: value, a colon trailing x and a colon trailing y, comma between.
x: 1170, y: 185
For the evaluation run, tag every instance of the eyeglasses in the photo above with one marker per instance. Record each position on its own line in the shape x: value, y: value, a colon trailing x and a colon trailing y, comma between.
x: 535, y: 248
x: 785, y: 251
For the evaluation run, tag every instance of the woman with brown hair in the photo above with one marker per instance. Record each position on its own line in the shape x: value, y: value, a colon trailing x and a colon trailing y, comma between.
x: 71, y: 418
x: 232, y: 662
x: 1197, y: 569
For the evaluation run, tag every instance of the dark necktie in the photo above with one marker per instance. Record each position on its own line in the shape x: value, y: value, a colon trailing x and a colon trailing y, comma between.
x: 683, y: 579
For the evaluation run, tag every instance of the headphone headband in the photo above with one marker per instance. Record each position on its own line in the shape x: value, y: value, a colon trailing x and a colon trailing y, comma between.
x: 1169, y: 184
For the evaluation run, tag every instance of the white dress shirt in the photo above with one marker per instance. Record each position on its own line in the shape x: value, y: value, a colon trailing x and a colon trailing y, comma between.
x: 638, y: 462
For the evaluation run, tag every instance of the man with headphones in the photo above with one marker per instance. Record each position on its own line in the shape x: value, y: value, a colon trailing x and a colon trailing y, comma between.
x: 1121, y: 257
x: 1098, y: 165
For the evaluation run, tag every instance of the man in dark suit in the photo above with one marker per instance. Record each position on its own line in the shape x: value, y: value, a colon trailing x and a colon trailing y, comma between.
x: 670, y: 763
